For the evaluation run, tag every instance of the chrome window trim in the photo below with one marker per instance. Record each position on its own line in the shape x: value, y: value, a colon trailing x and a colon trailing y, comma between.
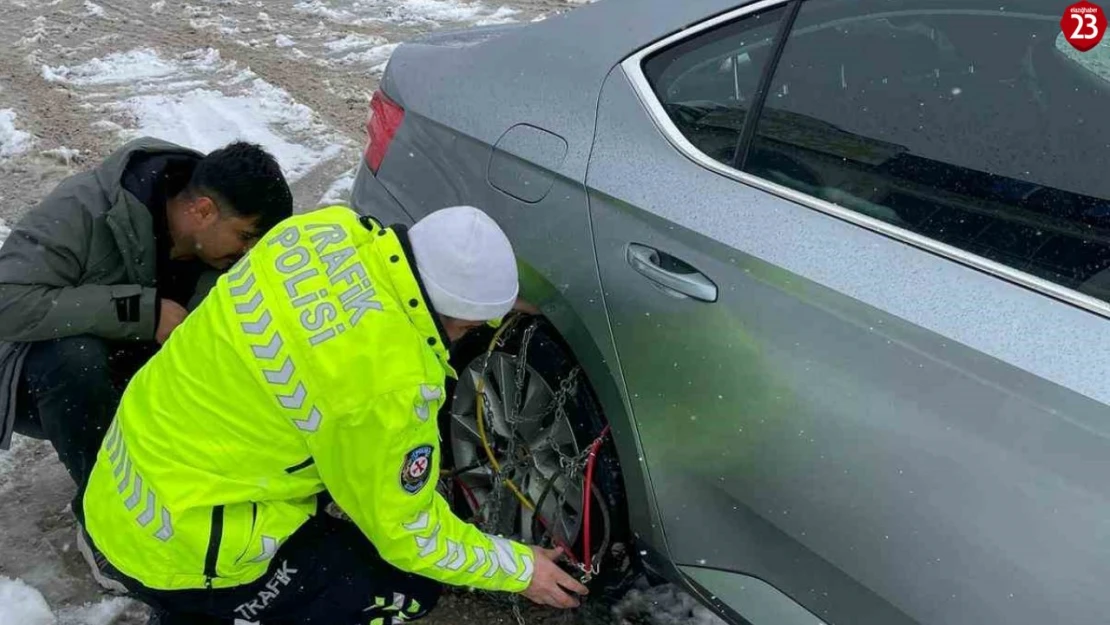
x: 633, y: 71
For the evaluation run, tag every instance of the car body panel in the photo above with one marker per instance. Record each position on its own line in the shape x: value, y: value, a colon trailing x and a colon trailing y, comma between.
x: 762, y: 603
x: 431, y: 167
x: 524, y: 160
x: 370, y: 197
x: 884, y: 435
x: 499, y: 77
x: 483, y: 83
x: 873, y: 427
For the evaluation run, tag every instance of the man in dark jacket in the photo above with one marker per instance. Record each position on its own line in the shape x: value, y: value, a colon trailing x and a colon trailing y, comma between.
x: 100, y: 273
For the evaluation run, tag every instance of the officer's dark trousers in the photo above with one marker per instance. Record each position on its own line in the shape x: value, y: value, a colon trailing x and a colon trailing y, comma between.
x: 69, y: 393
x: 327, y: 573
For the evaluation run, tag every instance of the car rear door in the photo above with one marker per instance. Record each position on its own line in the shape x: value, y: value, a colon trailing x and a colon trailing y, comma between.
x: 860, y: 307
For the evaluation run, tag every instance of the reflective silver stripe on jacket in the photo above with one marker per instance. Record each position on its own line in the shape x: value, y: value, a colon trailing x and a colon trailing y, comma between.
x: 279, y: 371
x: 501, y: 557
x: 132, y: 489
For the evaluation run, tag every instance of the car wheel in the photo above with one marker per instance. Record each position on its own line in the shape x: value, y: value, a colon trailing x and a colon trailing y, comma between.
x: 540, y: 419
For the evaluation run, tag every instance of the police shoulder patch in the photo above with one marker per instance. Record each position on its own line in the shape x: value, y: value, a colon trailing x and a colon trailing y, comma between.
x: 416, y: 469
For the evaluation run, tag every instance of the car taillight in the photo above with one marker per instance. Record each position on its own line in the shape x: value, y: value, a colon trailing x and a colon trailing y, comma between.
x: 385, y: 118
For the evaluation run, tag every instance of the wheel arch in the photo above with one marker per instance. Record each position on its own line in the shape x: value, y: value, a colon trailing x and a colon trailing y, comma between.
x: 590, y: 345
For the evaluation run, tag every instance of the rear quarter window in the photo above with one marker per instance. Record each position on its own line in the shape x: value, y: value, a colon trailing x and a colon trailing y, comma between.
x: 707, y: 83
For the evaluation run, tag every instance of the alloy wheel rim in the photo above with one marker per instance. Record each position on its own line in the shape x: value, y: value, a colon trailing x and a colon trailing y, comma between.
x: 543, y: 440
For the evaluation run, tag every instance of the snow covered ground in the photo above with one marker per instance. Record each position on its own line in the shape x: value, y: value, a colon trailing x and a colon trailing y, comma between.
x: 21, y: 604
x: 413, y: 12
x: 80, y: 77
x: 202, y: 101
x: 293, y: 75
x: 13, y: 141
x: 340, y: 190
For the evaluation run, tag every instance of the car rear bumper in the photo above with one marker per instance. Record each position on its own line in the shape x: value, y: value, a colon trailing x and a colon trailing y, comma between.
x: 370, y: 197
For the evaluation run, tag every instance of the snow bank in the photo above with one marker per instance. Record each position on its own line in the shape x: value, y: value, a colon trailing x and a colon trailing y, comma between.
x: 205, y: 20
x: 435, y: 11
x: 340, y: 191
x: 320, y: 9
x: 355, y: 42
x: 362, y: 50
x: 201, y: 101
x: 374, y: 56
x: 13, y: 141
x: 663, y: 605
x: 37, y: 33
x: 431, y: 13
x: 4, y: 232
x: 105, y: 612
x: 140, y: 65
x: 206, y: 119
x: 503, y: 15
x: 64, y: 155
x: 19, y: 603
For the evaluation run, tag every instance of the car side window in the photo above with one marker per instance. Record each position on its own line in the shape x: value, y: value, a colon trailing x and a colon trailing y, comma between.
x: 707, y: 83
x: 975, y: 126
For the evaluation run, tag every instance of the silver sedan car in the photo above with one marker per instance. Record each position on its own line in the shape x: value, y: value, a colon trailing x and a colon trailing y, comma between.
x: 824, y: 295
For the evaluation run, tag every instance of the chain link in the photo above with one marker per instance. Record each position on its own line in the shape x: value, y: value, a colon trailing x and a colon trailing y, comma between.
x: 567, y: 388
x: 514, y: 416
x: 572, y: 466
x: 522, y: 363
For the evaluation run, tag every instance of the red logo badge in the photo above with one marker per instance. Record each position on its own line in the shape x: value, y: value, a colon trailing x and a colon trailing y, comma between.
x: 1084, y: 24
x: 415, y: 471
x: 418, y: 468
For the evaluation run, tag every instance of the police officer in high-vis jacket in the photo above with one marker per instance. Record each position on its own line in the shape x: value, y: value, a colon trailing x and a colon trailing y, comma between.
x: 316, y: 364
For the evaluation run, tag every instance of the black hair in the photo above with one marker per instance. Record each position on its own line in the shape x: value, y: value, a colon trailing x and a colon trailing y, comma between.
x: 246, y: 181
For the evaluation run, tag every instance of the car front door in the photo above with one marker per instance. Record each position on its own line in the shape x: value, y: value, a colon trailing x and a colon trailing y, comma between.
x: 860, y: 307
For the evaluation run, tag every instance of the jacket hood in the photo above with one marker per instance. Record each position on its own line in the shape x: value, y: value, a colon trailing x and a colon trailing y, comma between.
x: 110, y: 172
x: 129, y: 217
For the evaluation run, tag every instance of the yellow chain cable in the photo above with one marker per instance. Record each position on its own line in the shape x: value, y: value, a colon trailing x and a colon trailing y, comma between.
x: 479, y: 409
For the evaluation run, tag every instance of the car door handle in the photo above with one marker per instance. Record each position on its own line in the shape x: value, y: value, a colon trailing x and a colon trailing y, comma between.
x: 671, y: 273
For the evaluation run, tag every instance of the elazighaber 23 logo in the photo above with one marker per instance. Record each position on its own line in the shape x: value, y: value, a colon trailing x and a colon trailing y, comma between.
x: 1083, y: 24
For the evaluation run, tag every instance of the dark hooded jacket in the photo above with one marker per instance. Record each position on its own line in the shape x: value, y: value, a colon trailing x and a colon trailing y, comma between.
x: 85, y: 261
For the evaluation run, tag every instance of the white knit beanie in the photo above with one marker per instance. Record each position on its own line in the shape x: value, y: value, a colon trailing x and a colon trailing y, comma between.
x: 466, y: 262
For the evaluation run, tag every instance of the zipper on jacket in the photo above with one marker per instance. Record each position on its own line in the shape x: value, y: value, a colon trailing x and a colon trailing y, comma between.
x: 214, y: 546
x: 304, y: 465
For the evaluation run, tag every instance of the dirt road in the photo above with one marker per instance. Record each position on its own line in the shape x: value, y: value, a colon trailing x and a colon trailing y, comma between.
x: 82, y: 75
x: 78, y: 78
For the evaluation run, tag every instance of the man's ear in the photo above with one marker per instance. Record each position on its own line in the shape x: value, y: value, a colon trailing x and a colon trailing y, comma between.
x: 204, y: 210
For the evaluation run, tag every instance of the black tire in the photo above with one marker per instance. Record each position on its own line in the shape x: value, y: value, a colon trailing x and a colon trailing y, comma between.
x: 550, y: 358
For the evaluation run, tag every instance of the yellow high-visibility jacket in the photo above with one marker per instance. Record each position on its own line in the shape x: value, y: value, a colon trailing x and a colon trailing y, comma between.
x: 313, y: 364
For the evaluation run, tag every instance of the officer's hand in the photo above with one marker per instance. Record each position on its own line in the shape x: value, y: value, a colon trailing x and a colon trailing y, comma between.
x: 550, y: 584
x: 171, y: 316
